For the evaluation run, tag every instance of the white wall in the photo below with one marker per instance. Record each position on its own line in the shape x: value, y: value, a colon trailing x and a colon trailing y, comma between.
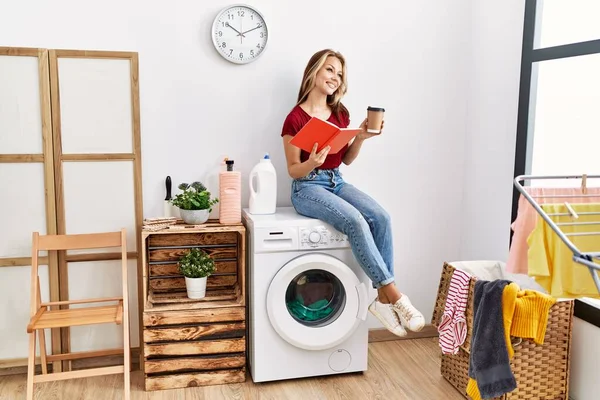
x: 413, y: 58
x: 494, y: 75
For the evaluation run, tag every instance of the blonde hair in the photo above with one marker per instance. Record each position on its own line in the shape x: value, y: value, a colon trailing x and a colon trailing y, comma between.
x: 315, y: 63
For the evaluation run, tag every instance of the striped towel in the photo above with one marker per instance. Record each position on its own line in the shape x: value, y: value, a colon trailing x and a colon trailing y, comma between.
x: 453, y: 326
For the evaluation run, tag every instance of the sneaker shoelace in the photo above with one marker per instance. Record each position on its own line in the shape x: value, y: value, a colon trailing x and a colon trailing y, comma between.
x: 406, y: 312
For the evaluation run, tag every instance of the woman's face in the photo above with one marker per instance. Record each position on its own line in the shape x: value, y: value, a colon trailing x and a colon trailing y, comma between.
x: 329, y: 77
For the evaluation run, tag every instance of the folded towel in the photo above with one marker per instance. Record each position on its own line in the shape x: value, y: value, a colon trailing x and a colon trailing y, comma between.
x: 489, y: 365
x: 453, y: 326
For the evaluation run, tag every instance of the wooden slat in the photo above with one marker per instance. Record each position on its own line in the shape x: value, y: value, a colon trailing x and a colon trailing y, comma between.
x: 84, y: 301
x: 170, y: 284
x: 80, y: 241
x: 85, y: 354
x: 222, y: 267
x: 66, y: 53
x: 193, y: 239
x: 181, y: 297
x: 63, y: 279
x: 99, y: 157
x: 194, y: 316
x: 50, y: 190
x: 21, y: 261
x: 201, y: 363
x: 137, y: 181
x: 176, y: 254
x: 192, y: 348
x: 78, y: 316
x: 196, y: 379
x: 99, y: 256
x: 215, y: 331
x: 19, y: 51
x: 21, y: 158
x: 79, y: 374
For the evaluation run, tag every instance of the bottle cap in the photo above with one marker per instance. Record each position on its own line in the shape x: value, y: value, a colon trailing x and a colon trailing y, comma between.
x: 266, y: 157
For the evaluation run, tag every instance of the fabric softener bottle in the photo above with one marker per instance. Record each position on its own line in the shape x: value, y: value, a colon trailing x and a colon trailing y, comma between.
x: 230, y: 195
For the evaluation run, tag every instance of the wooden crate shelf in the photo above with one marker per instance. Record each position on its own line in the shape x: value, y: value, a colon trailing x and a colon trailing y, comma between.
x: 193, y: 342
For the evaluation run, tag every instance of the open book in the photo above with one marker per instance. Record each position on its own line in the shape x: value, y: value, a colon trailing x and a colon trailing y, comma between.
x: 325, y: 133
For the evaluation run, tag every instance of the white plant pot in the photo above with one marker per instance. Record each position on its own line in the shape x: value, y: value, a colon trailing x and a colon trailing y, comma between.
x: 196, y: 287
x: 194, y: 217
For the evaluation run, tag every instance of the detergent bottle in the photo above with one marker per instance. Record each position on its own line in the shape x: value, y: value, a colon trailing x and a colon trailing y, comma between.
x: 230, y: 195
x: 263, y: 187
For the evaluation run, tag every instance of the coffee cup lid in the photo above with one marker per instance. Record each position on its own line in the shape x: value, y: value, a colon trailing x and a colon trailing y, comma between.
x: 375, y: 109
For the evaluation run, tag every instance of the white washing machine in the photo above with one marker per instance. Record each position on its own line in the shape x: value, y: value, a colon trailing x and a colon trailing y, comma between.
x: 307, y: 299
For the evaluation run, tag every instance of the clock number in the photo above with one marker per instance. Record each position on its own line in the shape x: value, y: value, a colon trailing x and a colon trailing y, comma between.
x: 223, y: 45
x: 240, y: 13
x: 258, y: 46
x: 252, y: 53
x: 241, y: 55
x: 252, y: 17
x: 230, y: 51
x: 220, y: 33
x: 262, y: 34
x: 229, y: 16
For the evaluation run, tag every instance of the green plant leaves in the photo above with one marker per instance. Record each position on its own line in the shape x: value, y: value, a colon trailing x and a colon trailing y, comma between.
x: 194, y: 197
x: 196, y: 264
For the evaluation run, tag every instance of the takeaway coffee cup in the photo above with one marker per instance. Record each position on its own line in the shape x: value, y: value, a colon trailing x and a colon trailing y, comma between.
x: 374, y: 119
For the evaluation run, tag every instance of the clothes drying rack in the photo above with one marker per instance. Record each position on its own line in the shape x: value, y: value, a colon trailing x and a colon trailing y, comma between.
x: 584, y: 258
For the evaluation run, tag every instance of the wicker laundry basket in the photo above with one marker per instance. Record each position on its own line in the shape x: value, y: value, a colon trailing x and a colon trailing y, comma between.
x: 541, y: 371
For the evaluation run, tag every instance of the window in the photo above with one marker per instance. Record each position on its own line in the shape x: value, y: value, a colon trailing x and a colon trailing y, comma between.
x: 558, y: 129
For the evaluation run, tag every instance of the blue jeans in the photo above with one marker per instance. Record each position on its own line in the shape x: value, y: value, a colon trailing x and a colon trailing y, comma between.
x: 323, y: 194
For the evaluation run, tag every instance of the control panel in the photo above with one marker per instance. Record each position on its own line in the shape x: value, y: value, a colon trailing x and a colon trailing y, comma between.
x: 318, y: 237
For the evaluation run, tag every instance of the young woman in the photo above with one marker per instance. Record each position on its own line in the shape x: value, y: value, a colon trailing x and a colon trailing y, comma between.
x: 319, y: 191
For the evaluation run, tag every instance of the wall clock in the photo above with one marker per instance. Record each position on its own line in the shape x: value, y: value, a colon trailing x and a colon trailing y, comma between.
x: 240, y: 33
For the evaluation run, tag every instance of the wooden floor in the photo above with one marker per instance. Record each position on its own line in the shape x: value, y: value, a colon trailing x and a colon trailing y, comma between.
x: 401, y: 369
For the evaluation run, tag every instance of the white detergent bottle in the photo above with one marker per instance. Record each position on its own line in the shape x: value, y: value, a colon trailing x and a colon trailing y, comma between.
x: 263, y: 187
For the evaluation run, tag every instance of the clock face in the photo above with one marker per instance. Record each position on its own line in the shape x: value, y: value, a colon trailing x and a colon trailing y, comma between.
x: 240, y: 34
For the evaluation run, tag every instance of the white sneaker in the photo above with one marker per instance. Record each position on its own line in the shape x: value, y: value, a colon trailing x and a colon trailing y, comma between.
x: 388, y: 317
x: 410, y: 317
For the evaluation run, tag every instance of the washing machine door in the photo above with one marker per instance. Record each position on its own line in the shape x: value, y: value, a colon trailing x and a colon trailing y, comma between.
x: 316, y: 302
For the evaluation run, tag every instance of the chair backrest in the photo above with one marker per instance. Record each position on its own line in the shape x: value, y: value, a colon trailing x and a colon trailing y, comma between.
x: 76, y: 242
x: 80, y: 241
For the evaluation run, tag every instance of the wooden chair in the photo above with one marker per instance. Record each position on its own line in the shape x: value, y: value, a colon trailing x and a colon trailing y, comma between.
x: 42, y: 317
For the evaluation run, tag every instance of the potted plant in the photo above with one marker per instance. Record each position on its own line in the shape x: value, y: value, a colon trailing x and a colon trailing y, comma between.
x: 196, y: 266
x: 194, y: 203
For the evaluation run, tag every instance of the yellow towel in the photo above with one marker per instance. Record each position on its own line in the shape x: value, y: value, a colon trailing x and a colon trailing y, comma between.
x: 550, y: 260
x: 525, y: 314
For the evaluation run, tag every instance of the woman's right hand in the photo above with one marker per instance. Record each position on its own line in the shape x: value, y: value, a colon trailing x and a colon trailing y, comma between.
x: 317, y: 159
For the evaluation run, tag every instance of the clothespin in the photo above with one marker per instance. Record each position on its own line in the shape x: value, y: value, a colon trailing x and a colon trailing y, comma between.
x: 571, y: 211
x: 584, y: 184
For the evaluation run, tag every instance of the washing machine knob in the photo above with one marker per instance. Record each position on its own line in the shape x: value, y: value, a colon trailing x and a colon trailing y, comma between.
x: 314, y: 237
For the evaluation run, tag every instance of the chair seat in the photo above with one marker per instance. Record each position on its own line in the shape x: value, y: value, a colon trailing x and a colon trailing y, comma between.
x: 79, y: 316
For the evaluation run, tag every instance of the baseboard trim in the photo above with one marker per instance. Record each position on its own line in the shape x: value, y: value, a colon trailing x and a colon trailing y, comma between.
x: 19, y: 365
x: 383, y: 335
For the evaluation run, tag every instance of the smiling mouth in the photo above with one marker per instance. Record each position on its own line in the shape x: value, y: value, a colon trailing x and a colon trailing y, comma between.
x: 331, y: 85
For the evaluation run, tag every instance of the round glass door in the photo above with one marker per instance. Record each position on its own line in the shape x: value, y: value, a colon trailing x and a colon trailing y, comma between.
x: 315, y: 302
x: 315, y: 297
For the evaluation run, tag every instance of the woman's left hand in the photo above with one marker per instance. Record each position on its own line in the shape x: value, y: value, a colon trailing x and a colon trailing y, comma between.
x: 366, y: 135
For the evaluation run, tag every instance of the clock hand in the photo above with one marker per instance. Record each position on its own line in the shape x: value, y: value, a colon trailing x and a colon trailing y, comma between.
x: 238, y: 32
x: 259, y: 26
